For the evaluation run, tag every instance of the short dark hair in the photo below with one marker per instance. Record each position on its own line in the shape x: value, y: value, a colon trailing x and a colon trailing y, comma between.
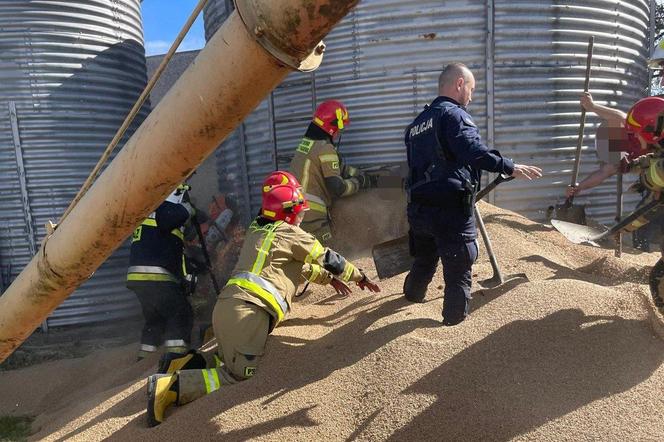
x: 452, y: 72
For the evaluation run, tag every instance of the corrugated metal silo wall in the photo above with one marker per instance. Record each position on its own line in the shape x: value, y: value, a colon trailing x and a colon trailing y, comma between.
x: 73, y: 70
x: 540, y: 57
x: 383, y: 60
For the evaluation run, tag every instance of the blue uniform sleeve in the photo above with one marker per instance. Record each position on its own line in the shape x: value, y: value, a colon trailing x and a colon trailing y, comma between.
x: 171, y: 216
x: 461, y: 136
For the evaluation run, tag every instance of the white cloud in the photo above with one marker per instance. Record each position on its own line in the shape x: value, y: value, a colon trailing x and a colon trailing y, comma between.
x: 157, y: 47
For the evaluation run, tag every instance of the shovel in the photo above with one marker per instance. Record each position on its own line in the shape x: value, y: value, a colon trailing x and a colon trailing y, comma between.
x: 579, y: 234
x: 568, y: 211
x: 393, y: 257
x: 497, y: 279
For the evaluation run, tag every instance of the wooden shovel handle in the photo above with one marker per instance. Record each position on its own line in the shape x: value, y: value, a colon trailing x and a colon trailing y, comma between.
x: 582, y: 125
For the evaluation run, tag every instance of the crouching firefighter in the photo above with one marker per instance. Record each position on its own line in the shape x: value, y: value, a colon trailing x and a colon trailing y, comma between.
x: 158, y: 275
x: 275, y: 255
x: 318, y: 166
x: 446, y: 157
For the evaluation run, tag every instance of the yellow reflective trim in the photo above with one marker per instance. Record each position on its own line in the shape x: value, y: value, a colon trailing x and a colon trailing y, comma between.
x: 348, y: 272
x: 317, y: 207
x: 269, y: 213
x: 329, y: 158
x: 261, y: 293
x: 305, y: 175
x: 340, y: 118
x: 178, y: 233
x: 631, y: 120
x: 319, y: 122
x: 653, y: 173
x: 150, y: 277
x: 149, y: 222
x: 264, y: 250
x: 315, y: 271
x: 206, y: 378
x: 315, y: 253
x: 184, y: 266
x: 305, y: 145
x: 215, y: 375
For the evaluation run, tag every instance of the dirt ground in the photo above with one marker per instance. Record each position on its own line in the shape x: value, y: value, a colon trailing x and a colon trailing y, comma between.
x: 575, y: 352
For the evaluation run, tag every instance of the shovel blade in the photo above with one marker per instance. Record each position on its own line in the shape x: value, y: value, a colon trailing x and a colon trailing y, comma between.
x: 496, y: 281
x: 392, y: 257
x: 572, y: 213
x: 577, y: 233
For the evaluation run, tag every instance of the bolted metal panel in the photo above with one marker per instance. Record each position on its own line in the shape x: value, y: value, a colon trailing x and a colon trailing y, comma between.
x: 540, y: 58
x: 73, y: 70
x: 528, y: 58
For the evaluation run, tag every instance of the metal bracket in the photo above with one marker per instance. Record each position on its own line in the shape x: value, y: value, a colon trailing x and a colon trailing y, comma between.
x: 260, y: 30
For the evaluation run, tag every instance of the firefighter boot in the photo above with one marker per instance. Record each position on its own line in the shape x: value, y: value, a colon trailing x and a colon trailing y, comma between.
x: 162, y: 393
x: 172, y: 362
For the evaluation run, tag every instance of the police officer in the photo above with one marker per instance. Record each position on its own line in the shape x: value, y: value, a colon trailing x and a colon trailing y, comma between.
x: 323, y: 175
x: 445, y: 158
x: 274, y: 257
x: 158, y: 275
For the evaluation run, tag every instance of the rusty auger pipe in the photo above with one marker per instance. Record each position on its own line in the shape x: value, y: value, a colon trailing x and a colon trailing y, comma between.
x: 258, y: 45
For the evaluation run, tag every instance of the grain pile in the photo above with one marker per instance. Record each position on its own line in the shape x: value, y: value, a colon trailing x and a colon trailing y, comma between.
x: 572, y: 353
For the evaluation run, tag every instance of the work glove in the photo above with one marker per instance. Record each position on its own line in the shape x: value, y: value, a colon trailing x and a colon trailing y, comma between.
x: 365, y: 282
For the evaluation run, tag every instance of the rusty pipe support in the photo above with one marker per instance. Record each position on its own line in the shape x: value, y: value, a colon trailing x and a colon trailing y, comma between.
x: 227, y: 80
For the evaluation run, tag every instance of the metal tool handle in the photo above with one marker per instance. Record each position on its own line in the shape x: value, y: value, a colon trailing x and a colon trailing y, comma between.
x: 628, y: 220
x: 582, y: 125
x: 206, y: 255
x: 492, y: 185
x: 497, y: 275
x: 619, y: 207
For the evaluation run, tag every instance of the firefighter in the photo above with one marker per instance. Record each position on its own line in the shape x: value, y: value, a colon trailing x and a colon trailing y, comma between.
x: 646, y: 120
x: 158, y: 276
x: 275, y: 255
x: 323, y: 174
x: 446, y: 157
x: 617, y: 147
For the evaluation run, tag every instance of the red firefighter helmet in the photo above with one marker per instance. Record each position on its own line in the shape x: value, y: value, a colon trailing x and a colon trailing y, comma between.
x: 331, y: 116
x: 642, y: 118
x: 280, y: 178
x: 283, y: 203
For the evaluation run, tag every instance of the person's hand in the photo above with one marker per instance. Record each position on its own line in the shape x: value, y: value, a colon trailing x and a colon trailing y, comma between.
x: 368, y: 284
x: 587, y: 101
x: 526, y: 172
x: 340, y: 287
x: 572, y: 191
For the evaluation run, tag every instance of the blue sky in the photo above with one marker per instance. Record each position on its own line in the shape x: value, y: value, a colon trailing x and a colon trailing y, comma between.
x: 162, y: 21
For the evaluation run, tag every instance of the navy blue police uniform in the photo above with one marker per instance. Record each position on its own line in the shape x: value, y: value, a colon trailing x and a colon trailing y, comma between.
x: 158, y: 276
x: 446, y: 157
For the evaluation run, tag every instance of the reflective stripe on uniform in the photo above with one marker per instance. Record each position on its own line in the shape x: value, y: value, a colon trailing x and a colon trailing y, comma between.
x: 316, y: 203
x: 151, y: 222
x: 315, y: 253
x: 265, y: 249
x: 329, y: 158
x: 348, y: 272
x: 148, y: 269
x: 211, y: 378
x: 149, y: 273
x: 305, y: 174
x: 148, y: 348
x: 263, y: 289
x: 150, y: 277
x: 175, y: 343
x: 315, y: 272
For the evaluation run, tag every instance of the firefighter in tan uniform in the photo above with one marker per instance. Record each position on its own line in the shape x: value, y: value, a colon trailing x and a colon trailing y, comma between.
x: 324, y: 177
x: 275, y: 255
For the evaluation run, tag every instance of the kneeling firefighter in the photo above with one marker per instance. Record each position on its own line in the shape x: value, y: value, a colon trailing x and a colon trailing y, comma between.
x: 158, y: 275
x: 275, y: 254
x: 646, y: 120
x: 323, y: 174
